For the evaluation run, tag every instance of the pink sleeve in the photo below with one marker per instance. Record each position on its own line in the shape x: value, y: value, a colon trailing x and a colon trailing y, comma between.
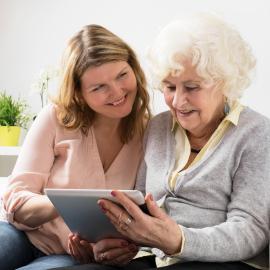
x: 32, y: 169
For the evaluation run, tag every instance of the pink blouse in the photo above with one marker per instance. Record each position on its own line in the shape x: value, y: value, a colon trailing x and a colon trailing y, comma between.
x: 55, y: 157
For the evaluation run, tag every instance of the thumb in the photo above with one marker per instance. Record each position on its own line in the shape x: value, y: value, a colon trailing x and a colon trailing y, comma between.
x: 153, y: 208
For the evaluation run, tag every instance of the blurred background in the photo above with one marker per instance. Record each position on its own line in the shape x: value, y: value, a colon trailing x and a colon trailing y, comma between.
x: 34, y: 33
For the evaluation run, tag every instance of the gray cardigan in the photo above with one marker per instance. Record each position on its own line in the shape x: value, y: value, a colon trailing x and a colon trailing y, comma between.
x: 223, y: 201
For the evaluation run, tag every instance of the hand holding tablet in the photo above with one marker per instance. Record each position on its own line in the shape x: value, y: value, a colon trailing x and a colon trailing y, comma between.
x: 82, y: 214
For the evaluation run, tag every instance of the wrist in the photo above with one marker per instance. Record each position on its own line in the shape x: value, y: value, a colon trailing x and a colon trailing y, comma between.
x: 175, y: 244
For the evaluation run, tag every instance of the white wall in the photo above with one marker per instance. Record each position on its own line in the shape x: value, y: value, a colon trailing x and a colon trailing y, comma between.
x: 33, y: 34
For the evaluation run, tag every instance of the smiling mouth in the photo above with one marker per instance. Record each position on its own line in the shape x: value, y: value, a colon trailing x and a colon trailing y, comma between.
x: 184, y: 113
x: 118, y: 102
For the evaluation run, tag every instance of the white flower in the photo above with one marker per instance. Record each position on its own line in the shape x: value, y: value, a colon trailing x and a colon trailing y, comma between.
x: 41, y: 86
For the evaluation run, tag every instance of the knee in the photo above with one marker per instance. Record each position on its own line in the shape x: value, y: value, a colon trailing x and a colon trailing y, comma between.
x: 8, y: 233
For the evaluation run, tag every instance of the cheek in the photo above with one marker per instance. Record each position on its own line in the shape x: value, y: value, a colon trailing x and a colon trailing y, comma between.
x: 133, y: 87
x: 90, y: 104
x: 205, y: 115
x: 94, y: 101
x: 131, y: 84
x: 168, y: 99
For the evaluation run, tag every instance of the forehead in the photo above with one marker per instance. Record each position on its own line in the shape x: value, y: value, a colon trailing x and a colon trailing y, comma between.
x: 187, y: 73
x: 103, y: 73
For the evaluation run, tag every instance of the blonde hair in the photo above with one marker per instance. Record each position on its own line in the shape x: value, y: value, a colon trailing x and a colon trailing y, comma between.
x: 94, y: 45
x: 215, y: 48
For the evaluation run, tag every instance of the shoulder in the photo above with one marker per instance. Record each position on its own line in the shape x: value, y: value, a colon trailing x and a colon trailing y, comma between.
x: 48, y: 112
x: 252, y: 132
x: 252, y: 116
x: 162, y: 121
x: 252, y: 121
x: 159, y: 128
x: 46, y: 119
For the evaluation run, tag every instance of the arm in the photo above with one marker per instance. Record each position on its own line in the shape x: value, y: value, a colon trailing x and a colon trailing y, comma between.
x: 246, y: 229
x: 36, y: 211
x: 24, y: 202
x: 141, y: 174
x: 140, y: 179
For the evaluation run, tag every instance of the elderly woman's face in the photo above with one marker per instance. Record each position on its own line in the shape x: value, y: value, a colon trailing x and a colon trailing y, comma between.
x: 197, y: 107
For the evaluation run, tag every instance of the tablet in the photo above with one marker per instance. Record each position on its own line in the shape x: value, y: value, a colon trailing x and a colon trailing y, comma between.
x: 82, y: 214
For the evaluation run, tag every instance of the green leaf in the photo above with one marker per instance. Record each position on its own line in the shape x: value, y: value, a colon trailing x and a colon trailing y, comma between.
x: 13, y: 111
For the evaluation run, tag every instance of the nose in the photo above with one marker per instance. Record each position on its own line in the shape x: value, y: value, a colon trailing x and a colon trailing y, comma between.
x: 179, y: 98
x: 116, y: 88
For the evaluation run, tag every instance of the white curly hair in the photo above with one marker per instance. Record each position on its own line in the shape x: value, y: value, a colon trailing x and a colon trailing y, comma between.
x: 220, y: 55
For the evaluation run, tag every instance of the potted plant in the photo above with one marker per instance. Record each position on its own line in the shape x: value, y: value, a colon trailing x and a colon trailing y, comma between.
x: 13, y: 117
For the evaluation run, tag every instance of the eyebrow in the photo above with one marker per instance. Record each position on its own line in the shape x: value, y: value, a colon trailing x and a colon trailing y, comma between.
x: 123, y: 69
x: 188, y: 81
x: 166, y: 81
x: 93, y: 86
x: 100, y: 84
x: 192, y: 81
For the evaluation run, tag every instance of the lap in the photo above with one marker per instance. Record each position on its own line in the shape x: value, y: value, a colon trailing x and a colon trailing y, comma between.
x: 48, y: 262
x: 140, y: 263
x: 148, y: 264
x: 17, y: 252
x: 208, y: 266
x: 15, y: 248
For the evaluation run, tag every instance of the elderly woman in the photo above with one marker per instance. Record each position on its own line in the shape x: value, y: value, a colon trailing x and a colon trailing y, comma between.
x: 206, y: 161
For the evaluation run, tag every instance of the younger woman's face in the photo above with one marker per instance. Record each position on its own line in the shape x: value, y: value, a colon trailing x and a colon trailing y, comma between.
x: 110, y: 89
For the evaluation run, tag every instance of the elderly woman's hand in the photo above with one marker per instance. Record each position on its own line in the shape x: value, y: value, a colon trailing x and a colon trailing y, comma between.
x: 157, y: 230
x: 114, y: 251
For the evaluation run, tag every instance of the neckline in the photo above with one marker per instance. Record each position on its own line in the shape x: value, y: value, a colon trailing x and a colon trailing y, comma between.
x: 105, y: 171
x: 196, y: 151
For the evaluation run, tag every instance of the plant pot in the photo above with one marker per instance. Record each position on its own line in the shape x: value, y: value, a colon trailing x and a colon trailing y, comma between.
x: 9, y: 135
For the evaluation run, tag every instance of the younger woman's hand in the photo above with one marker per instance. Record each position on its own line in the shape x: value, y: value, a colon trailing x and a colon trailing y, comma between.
x: 80, y: 250
x: 117, y: 252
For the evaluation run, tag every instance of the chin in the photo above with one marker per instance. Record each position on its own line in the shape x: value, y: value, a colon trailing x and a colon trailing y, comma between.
x: 127, y: 110
x: 185, y: 125
x: 125, y: 114
x: 121, y: 114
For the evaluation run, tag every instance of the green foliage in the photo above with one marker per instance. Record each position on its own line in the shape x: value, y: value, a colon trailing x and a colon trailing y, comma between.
x: 13, y: 112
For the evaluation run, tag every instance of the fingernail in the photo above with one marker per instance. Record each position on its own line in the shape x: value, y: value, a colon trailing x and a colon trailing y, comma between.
x: 151, y: 197
x: 100, y: 203
x: 102, y: 207
x: 113, y: 193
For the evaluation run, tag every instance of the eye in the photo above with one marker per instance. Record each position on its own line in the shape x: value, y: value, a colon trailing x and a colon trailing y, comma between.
x: 170, y: 88
x: 192, y: 87
x: 123, y: 75
x: 99, y: 87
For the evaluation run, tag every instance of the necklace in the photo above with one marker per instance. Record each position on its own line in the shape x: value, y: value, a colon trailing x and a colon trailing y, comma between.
x: 196, y: 151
